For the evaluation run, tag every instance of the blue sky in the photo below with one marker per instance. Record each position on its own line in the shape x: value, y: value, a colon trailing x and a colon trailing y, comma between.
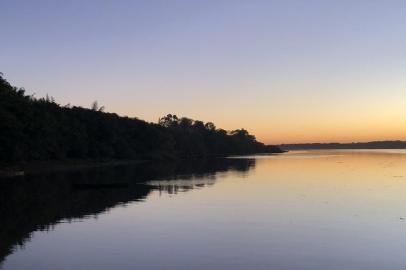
x: 288, y: 71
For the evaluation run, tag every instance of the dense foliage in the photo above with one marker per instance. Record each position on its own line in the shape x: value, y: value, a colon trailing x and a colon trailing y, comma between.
x: 41, y: 129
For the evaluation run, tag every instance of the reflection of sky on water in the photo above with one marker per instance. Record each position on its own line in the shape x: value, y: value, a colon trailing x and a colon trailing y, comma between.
x: 341, y: 210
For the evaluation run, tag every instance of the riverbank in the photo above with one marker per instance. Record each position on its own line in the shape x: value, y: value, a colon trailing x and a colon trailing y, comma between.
x: 34, y: 167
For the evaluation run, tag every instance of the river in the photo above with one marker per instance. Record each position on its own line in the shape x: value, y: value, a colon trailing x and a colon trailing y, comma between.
x: 330, y: 209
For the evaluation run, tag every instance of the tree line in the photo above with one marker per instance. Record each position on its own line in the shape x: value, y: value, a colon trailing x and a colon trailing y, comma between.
x: 354, y: 145
x: 40, y: 129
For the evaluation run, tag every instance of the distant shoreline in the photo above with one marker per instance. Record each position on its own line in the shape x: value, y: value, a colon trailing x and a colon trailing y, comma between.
x: 356, y: 145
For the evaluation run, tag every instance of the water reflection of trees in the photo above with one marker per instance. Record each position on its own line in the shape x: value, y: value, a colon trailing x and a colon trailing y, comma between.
x: 39, y: 202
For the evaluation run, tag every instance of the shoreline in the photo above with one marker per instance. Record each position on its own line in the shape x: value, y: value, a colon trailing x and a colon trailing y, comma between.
x: 34, y: 167
x: 8, y: 170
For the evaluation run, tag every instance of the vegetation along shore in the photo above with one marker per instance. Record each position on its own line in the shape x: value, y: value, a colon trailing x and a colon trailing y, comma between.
x: 39, y: 129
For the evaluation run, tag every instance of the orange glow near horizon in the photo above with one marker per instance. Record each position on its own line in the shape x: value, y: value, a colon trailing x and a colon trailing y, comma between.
x: 360, y: 121
x: 286, y: 71
x: 302, y: 130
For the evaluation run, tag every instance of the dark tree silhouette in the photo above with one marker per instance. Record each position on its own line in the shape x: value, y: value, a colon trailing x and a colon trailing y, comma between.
x: 40, y: 129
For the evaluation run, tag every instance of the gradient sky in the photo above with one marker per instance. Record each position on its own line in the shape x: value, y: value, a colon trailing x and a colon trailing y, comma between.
x: 288, y: 71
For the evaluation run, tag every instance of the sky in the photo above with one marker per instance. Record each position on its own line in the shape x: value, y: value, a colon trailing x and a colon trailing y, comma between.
x: 287, y: 71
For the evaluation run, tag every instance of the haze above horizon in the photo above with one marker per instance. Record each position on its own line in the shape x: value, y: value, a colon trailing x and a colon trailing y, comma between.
x: 287, y: 71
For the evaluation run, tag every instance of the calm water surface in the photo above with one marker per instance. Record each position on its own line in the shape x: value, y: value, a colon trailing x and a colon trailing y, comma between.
x: 299, y: 210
